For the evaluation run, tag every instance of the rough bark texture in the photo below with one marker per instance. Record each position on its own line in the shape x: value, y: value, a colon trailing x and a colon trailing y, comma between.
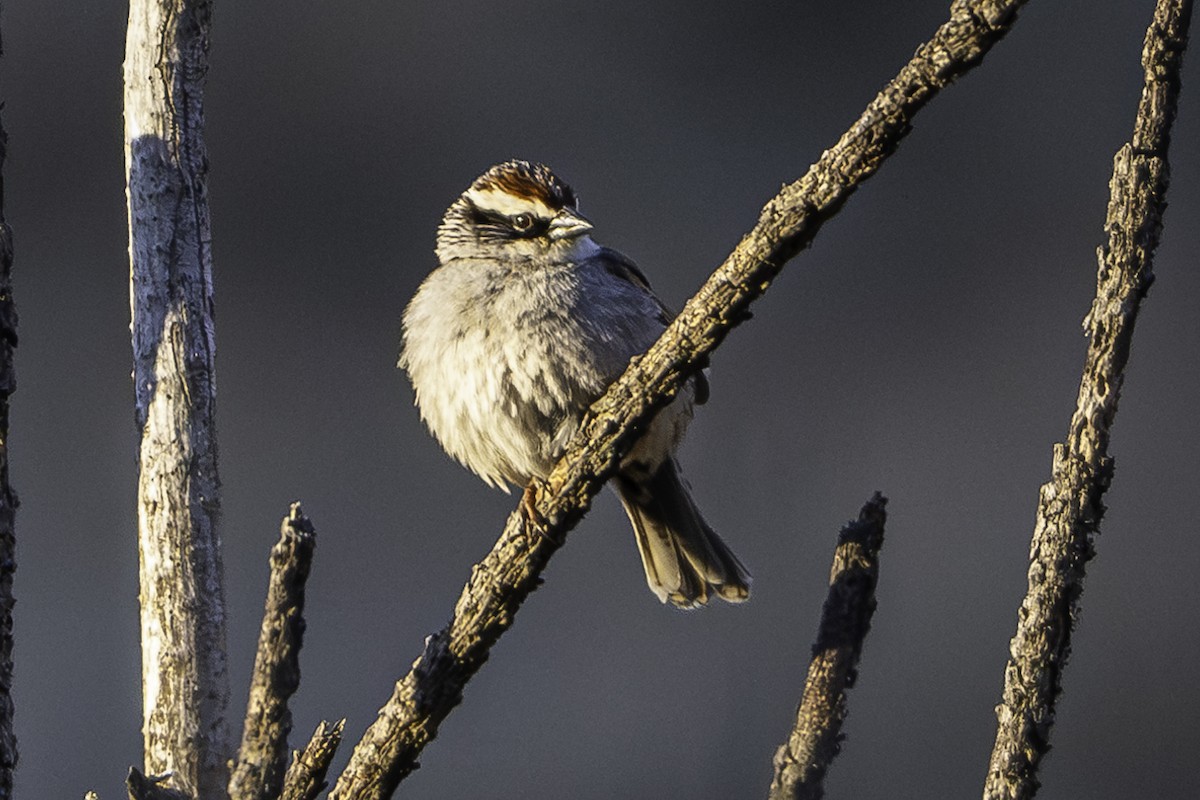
x: 1070, y: 506
x: 262, y: 758
x: 306, y: 776
x: 184, y: 680
x: 499, y: 584
x: 8, y: 498
x: 815, y: 739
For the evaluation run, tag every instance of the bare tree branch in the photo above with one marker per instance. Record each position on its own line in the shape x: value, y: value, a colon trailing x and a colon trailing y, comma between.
x: 499, y: 584
x: 306, y: 776
x: 1070, y: 506
x: 8, y: 498
x: 262, y: 758
x: 801, y: 762
x: 184, y: 679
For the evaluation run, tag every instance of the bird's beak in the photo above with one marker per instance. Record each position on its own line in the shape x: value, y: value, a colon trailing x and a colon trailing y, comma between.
x: 568, y: 224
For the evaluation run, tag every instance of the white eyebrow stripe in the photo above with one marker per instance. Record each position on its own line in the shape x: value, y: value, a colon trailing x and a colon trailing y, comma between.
x: 504, y: 203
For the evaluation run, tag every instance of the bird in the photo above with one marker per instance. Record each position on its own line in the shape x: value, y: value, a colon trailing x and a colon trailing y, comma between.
x: 521, y: 326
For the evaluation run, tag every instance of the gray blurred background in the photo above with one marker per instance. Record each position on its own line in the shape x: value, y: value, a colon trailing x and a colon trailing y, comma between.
x: 928, y: 345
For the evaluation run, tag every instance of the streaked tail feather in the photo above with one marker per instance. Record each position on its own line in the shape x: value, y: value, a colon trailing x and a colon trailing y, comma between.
x: 684, y: 558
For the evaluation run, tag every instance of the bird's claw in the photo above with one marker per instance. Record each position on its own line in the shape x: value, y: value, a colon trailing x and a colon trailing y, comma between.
x: 538, y: 523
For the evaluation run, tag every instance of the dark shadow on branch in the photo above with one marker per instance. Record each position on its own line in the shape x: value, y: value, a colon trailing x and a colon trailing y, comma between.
x: 815, y: 740
x: 184, y: 670
x: 152, y: 787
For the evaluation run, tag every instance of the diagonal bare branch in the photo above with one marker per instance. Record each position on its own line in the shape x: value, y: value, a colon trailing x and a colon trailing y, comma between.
x: 306, y: 776
x: 1070, y: 505
x: 261, y: 762
x: 499, y: 584
x: 801, y: 762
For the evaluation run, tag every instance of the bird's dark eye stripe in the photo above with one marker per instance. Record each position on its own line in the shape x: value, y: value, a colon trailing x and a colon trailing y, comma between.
x: 481, y: 217
x: 518, y: 226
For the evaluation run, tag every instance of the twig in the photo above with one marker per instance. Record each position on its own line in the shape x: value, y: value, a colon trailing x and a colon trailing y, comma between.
x: 499, y: 584
x: 8, y: 497
x: 185, y: 683
x: 306, y: 776
x: 815, y: 740
x: 262, y: 758
x: 1070, y: 506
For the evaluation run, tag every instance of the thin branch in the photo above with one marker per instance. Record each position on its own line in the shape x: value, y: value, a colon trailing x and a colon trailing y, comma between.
x: 306, y: 776
x: 185, y: 683
x: 262, y: 758
x: 1071, y: 506
x: 499, y: 584
x: 815, y: 740
x: 8, y: 498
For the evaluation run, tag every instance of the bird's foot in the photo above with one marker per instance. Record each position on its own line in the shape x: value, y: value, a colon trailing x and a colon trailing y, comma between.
x: 537, y: 523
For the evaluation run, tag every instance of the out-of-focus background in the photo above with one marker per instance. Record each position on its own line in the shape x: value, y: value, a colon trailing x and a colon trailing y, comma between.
x: 928, y: 345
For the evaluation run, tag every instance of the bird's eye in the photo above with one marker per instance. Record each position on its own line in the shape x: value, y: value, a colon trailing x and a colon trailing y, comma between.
x: 522, y: 222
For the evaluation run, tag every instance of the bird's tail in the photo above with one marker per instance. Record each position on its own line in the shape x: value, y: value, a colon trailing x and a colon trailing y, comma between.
x: 684, y: 558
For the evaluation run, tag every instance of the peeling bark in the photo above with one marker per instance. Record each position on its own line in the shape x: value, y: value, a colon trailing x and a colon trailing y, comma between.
x: 389, y: 749
x: 184, y: 680
x: 1070, y: 505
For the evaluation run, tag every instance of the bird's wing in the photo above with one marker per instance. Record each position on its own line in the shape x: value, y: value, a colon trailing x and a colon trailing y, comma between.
x: 622, y: 267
